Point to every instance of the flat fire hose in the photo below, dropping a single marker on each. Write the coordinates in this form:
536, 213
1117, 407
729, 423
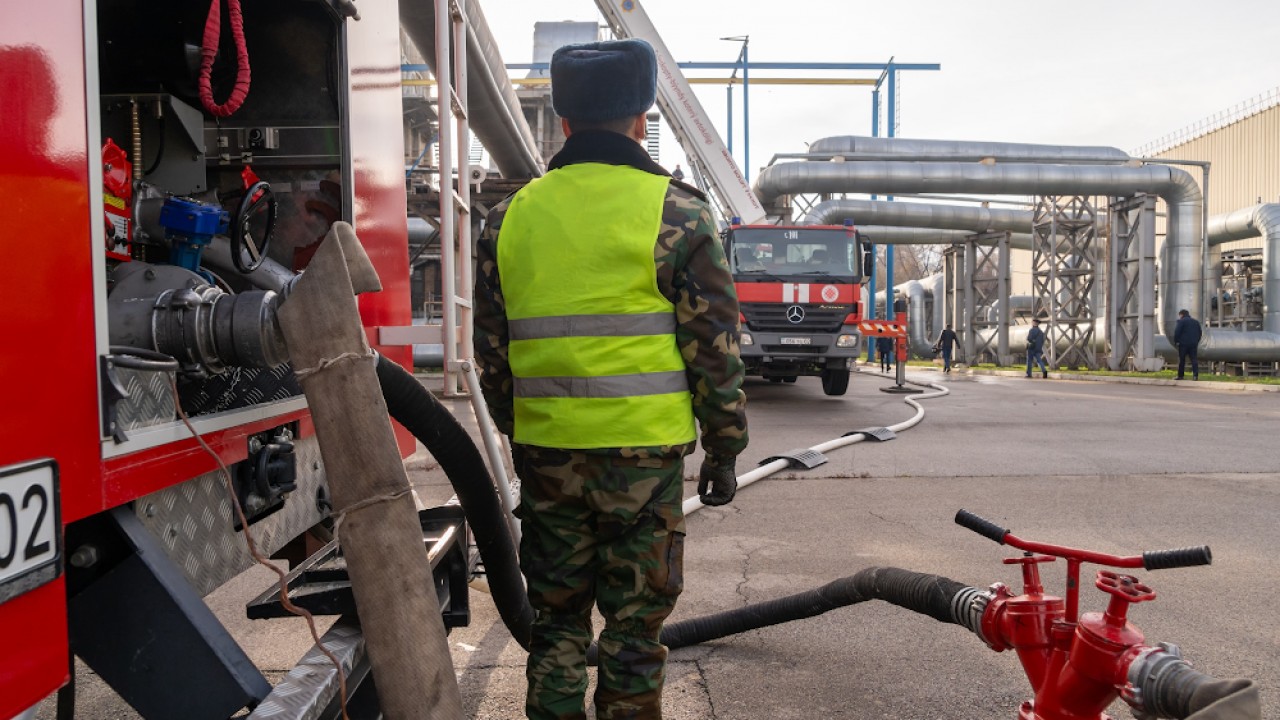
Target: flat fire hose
374, 514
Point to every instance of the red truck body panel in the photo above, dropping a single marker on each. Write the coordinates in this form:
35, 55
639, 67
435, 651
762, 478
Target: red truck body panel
53, 322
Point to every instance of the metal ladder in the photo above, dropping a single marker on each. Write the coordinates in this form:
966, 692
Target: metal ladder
455, 238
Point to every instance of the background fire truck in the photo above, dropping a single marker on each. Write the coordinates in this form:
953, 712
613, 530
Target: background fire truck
800, 288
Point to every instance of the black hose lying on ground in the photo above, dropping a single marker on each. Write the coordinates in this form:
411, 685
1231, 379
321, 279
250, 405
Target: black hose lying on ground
414, 407
931, 595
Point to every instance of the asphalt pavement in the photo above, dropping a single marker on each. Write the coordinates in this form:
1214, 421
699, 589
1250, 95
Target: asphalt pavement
1118, 468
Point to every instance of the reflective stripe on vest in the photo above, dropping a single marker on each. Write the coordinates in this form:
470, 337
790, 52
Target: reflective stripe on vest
592, 338
663, 323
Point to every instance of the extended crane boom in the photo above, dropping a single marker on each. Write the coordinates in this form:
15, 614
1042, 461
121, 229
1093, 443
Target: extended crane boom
692, 128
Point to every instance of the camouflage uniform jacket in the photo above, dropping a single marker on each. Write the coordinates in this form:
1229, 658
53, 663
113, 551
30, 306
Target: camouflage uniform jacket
691, 272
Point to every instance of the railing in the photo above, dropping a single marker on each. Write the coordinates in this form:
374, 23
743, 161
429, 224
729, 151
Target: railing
1218, 120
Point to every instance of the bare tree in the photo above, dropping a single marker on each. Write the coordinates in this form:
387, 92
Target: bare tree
911, 262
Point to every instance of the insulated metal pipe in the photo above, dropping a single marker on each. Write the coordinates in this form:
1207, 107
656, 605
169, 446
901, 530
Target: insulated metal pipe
494, 113
422, 232
1018, 339
1260, 220
1018, 305
922, 215
270, 275
935, 287
896, 235
501, 94
917, 328
1180, 282
1250, 222
1004, 151
917, 333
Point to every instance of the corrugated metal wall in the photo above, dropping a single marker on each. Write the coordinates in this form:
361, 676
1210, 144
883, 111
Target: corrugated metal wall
1245, 157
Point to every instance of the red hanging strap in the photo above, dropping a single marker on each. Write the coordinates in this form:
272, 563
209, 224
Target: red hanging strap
209, 50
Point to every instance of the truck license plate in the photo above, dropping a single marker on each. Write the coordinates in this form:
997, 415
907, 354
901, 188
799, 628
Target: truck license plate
795, 341
30, 536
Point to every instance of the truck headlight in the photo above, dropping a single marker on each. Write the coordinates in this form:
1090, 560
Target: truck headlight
747, 339
847, 341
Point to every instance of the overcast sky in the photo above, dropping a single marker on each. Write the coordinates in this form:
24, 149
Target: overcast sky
1118, 73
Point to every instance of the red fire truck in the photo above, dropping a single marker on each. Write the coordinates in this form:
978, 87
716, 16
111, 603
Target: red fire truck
144, 215
800, 288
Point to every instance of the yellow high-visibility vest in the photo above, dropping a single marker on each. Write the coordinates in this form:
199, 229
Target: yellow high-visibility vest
592, 339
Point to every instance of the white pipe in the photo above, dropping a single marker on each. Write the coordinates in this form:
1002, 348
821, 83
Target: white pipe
694, 504
496, 465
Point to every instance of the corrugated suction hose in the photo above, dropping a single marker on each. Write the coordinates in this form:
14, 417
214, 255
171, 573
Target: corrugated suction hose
414, 407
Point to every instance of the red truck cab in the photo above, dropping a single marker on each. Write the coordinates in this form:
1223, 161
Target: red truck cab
800, 288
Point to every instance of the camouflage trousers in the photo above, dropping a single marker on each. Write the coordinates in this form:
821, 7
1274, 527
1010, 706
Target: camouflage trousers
607, 531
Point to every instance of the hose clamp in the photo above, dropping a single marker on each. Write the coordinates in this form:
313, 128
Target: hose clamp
1145, 670
968, 608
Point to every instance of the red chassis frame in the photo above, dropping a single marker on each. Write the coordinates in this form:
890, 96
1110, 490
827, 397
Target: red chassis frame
51, 287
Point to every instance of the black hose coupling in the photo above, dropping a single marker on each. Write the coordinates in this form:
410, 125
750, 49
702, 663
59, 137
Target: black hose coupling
177, 312
208, 329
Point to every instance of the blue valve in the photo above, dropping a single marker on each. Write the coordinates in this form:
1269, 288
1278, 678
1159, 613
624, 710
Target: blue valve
189, 227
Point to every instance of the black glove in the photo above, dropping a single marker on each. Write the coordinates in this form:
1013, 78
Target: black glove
519, 458
717, 481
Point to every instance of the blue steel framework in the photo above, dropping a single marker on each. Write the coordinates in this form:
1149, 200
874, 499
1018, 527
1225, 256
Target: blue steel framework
746, 108
889, 72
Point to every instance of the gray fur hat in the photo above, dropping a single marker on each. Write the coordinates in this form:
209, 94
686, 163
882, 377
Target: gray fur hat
602, 81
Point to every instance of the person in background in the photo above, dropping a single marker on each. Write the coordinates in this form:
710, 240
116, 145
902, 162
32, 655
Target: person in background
1035, 348
946, 344
606, 326
884, 346
677, 173
1186, 337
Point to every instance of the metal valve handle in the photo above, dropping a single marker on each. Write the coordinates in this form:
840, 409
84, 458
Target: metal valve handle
1125, 587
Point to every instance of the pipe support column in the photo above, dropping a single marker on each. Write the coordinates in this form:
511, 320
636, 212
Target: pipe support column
970, 313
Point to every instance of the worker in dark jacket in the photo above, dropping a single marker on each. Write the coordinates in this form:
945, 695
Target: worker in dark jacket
884, 346
946, 345
1035, 348
606, 324
1186, 337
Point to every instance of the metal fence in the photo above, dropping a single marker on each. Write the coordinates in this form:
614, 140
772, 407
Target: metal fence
1204, 126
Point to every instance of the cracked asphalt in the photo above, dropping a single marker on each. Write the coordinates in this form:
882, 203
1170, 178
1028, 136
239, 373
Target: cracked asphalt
1115, 468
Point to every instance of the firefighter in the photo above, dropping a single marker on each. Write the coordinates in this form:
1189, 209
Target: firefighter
605, 324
